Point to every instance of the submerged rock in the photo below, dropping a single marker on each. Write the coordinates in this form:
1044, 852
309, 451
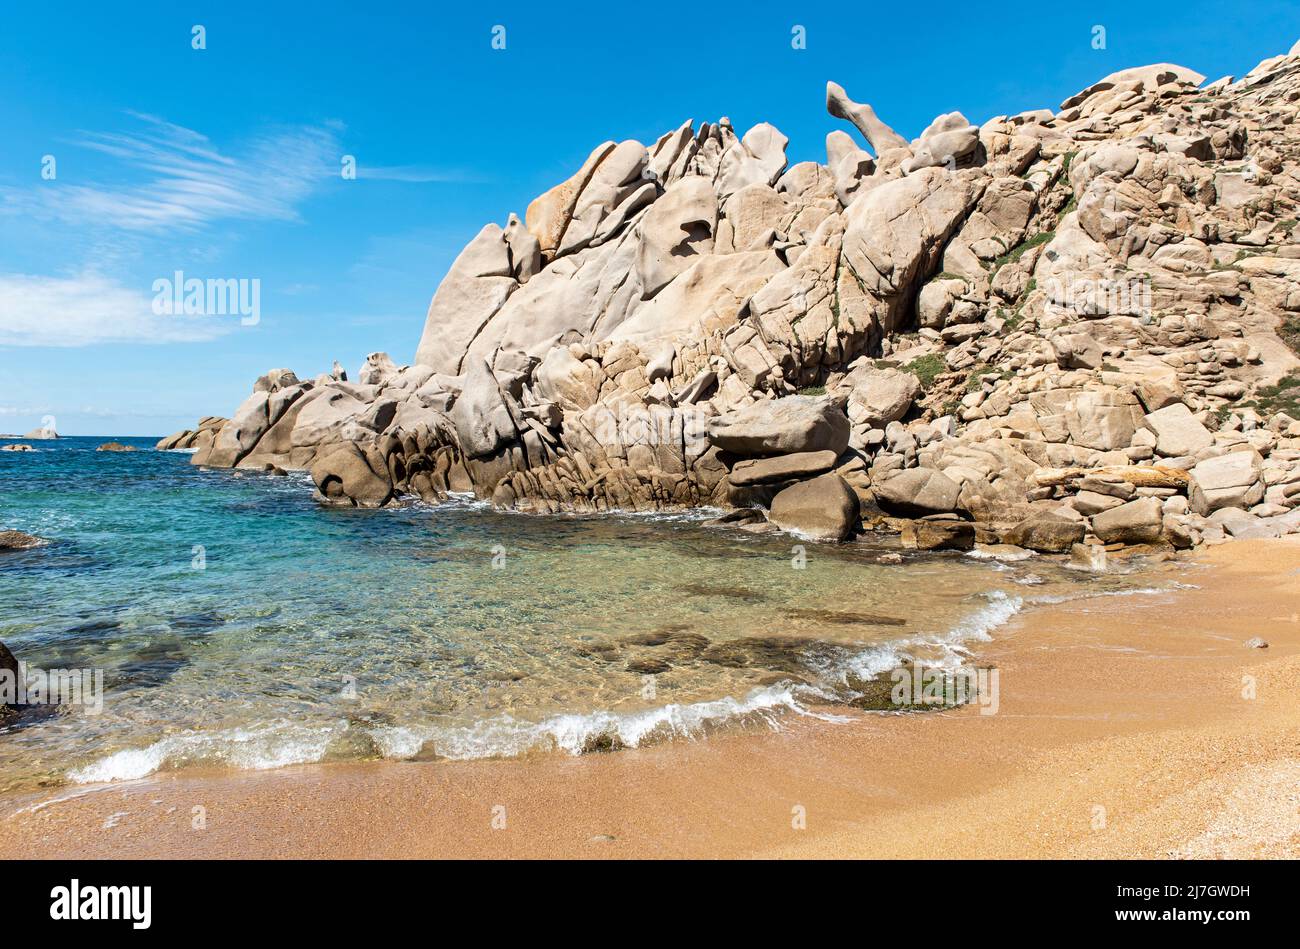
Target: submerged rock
17, 540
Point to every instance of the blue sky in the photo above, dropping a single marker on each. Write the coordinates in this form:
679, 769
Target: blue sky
225, 162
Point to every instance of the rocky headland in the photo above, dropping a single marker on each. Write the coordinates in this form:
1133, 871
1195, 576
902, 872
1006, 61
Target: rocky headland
1069, 330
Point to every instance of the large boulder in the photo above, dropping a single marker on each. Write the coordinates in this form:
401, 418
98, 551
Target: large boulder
485, 415
1137, 522
880, 396
804, 464
825, 508
567, 381
797, 423
275, 380
939, 534
1231, 480
378, 369
1077, 351
1046, 532
334, 415
916, 492
1178, 432
949, 139
1102, 419
350, 475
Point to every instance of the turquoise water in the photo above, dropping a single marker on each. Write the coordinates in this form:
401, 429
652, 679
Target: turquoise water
305, 633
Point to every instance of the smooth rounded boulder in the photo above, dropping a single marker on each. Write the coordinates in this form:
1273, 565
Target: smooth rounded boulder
804, 464
797, 423
1046, 532
347, 475
824, 508
1137, 522
917, 492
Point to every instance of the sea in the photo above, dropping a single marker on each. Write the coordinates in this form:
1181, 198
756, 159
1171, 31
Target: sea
235, 622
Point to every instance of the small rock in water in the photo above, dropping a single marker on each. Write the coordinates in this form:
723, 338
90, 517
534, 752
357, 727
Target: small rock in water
17, 540
1088, 557
16, 448
890, 558
115, 446
1256, 642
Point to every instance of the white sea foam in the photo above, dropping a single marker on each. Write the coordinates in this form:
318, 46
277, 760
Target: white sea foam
502, 737
574, 733
252, 749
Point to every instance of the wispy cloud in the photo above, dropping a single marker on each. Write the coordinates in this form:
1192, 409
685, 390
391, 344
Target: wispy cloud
416, 174
88, 309
193, 182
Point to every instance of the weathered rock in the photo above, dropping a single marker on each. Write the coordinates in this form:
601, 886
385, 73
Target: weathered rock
879, 135
42, 434
485, 415
1231, 480
115, 446
795, 467
917, 492
1177, 431
1137, 522
349, 475
377, 370
275, 380
17, 540
946, 534
1077, 351
825, 508
1046, 532
895, 234
879, 396
477, 286
797, 423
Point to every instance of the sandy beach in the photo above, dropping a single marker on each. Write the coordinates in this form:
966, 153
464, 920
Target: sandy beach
1127, 726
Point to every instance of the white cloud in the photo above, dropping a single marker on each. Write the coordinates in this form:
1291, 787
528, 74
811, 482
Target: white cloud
194, 182
415, 174
88, 309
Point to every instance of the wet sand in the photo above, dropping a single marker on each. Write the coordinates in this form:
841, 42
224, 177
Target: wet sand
1127, 726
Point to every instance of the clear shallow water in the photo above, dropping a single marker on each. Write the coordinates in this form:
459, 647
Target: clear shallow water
317, 634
